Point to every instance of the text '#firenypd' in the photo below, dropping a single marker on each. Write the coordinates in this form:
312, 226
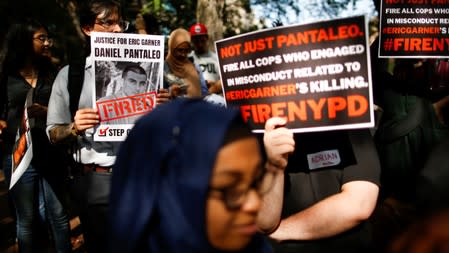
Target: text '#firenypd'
416, 44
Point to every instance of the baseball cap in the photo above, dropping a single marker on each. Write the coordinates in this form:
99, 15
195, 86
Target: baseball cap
198, 29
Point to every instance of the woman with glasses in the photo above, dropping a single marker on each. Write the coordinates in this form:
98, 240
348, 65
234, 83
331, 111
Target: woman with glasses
182, 76
27, 74
189, 178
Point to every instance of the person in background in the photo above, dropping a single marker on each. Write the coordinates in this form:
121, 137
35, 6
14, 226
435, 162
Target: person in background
189, 178
326, 189
26, 69
94, 160
410, 128
181, 75
205, 58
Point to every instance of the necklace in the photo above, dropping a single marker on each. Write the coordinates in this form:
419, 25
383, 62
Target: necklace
30, 77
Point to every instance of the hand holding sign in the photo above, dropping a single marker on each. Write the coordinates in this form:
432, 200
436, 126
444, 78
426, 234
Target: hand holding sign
85, 118
162, 96
278, 142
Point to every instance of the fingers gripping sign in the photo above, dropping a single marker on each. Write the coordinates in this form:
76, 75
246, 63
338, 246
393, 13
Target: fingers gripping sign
85, 118
279, 143
162, 96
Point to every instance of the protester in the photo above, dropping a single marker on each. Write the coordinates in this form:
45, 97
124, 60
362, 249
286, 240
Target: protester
95, 159
205, 58
407, 132
409, 129
181, 75
27, 73
189, 178
326, 189
409, 125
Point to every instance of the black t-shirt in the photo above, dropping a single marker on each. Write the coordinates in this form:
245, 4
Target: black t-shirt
321, 163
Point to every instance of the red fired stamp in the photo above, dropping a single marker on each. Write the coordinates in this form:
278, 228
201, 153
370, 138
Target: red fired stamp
126, 107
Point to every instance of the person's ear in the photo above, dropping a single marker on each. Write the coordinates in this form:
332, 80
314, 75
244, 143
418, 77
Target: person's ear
87, 30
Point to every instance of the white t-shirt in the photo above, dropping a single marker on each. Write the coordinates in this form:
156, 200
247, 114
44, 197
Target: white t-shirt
208, 63
100, 153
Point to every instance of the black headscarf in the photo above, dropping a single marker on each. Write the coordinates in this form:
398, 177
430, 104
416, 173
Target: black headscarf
161, 179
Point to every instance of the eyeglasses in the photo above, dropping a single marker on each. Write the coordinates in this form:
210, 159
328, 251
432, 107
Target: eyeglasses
183, 50
43, 38
124, 25
234, 198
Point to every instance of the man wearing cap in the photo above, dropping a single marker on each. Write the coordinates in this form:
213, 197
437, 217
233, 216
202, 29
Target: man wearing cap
205, 58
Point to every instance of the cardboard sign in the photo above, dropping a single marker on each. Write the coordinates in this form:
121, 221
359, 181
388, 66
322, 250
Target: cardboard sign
316, 75
22, 152
128, 72
414, 29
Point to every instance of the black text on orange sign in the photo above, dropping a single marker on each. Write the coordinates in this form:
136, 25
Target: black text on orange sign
306, 110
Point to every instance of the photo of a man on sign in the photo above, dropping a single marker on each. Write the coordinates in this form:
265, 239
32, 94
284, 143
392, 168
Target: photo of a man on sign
127, 104
128, 72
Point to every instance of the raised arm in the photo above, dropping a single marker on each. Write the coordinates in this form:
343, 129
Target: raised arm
278, 142
60, 125
84, 119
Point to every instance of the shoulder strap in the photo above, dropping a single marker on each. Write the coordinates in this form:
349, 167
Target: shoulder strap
75, 83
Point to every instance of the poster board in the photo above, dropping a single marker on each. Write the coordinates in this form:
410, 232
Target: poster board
414, 29
316, 75
22, 152
128, 73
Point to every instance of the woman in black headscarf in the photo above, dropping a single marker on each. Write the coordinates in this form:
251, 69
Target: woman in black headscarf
188, 179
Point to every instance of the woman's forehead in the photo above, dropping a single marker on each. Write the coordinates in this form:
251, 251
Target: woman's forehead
179, 36
184, 44
113, 14
40, 31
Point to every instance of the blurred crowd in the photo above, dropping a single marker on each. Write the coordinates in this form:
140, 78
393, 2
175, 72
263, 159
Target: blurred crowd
192, 177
